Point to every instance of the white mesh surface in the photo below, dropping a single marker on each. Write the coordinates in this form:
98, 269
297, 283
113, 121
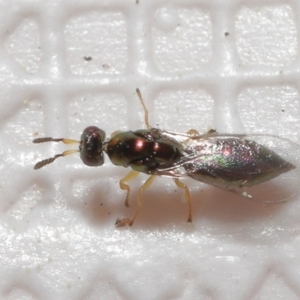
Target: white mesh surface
232, 65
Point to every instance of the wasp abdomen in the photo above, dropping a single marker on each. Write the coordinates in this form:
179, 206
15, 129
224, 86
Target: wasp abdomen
239, 162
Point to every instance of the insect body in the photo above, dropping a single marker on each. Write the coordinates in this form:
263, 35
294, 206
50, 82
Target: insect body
245, 164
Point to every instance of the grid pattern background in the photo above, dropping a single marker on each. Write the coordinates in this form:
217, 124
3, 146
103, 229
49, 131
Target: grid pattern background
232, 65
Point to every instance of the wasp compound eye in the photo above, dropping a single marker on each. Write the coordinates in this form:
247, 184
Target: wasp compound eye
90, 148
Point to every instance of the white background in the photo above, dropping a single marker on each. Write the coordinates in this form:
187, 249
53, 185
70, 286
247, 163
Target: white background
232, 65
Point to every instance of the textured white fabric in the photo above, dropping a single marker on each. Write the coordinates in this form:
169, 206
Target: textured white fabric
232, 65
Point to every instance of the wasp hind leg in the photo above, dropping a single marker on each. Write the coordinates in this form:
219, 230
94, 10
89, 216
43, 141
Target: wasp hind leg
187, 197
124, 186
193, 132
127, 221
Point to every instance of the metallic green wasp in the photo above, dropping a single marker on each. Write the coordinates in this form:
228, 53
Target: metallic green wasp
260, 167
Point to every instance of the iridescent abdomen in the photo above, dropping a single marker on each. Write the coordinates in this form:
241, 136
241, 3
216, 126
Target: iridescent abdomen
234, 161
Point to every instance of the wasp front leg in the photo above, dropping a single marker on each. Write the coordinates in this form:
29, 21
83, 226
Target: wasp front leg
124, 186
127, 221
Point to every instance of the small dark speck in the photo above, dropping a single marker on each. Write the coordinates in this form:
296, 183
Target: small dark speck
226, 33
87, 58
283, 110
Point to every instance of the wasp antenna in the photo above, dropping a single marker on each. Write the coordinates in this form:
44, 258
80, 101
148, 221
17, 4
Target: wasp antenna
46, 139
145, 108
50, 139
48, 161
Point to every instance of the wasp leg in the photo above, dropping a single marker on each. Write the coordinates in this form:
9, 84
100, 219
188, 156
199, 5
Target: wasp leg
193, 132
130, 176
187, 196
211, 131
126, 221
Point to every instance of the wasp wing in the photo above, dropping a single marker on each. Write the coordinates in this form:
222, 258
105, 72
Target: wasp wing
286, 185
261, 167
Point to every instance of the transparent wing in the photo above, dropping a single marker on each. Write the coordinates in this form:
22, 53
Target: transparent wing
282, 187
285, 186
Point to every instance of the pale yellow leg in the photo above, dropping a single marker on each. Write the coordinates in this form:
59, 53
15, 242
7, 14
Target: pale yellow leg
126, 221
193, 132
130, 176
187, 196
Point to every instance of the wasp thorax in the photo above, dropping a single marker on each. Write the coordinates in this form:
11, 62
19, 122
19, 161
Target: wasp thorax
90, 148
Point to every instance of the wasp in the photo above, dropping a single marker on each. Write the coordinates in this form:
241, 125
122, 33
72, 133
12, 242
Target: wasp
259, 167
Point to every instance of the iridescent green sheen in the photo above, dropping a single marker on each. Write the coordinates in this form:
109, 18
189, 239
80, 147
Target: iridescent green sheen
237, 161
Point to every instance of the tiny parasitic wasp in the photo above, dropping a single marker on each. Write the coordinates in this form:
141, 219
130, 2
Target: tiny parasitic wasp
260, 167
